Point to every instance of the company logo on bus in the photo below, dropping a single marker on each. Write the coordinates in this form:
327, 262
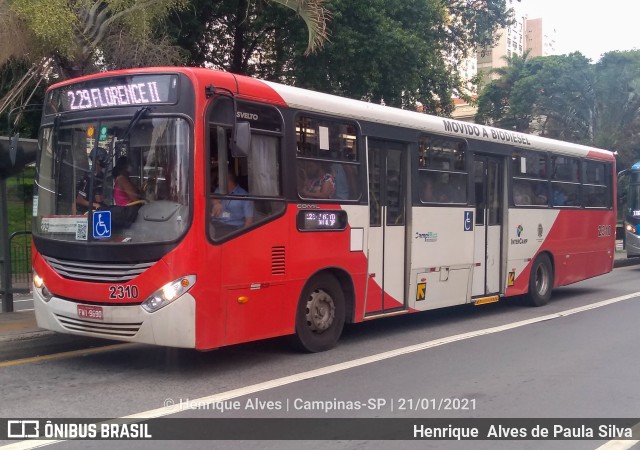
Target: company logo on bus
520, 240
429, 236
246, 115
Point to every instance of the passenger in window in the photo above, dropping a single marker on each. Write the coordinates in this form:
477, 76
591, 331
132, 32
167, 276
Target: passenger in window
345, 176
540, 194
558, 197
124, 191
319, 182
231, 213
82, 198
522, 194
342, 183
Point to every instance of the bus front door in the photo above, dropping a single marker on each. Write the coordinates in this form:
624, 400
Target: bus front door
489, 197
387, 230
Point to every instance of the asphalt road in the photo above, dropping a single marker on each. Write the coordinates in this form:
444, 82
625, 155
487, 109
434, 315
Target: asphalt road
504, 360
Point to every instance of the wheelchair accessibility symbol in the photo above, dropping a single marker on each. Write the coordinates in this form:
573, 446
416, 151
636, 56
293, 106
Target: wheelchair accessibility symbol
468, 221
101, 224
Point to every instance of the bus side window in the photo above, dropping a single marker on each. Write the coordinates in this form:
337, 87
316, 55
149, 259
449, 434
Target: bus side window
328, 162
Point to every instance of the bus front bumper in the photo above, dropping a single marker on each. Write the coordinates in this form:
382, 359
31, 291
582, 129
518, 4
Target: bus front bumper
172, 326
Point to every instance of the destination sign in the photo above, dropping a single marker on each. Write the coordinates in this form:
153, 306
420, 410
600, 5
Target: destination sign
321, 220
112, 92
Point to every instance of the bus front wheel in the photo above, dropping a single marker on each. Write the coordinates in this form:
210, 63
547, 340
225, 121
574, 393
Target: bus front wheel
320, 314
540, 281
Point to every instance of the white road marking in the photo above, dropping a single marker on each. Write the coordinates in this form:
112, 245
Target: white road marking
617, 445
278, 382
621, 444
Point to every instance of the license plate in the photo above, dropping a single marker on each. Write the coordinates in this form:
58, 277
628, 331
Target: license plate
90, 312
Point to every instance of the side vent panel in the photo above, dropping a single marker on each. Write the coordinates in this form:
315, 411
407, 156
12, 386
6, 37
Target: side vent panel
277, 261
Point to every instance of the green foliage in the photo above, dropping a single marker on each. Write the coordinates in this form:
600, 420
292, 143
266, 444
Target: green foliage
315, 16
379, 50
567, 97
21, 120
82, 36
20, 195
52, 22
394, 51
507, 101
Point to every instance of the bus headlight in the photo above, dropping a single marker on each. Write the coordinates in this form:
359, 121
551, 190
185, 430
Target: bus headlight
168, 293
38, 284
630, 227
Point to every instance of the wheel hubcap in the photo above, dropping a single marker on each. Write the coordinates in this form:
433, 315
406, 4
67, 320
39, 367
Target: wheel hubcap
320, 311
542, 280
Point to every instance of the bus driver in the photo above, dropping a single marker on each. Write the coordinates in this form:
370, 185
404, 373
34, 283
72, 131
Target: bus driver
232, 214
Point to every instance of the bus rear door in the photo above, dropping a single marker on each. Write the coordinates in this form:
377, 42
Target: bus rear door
489, 193
387, 231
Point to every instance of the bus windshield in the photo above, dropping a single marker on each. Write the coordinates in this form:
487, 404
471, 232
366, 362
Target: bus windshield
633, 200
136, 168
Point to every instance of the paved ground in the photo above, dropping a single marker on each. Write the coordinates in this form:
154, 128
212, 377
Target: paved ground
21, 325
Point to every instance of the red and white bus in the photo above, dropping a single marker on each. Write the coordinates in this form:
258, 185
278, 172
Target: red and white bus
349, 211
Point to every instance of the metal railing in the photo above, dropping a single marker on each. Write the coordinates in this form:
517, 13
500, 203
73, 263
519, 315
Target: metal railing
16, 269
21, 272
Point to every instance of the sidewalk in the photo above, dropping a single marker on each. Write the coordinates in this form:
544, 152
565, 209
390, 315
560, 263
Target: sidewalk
22, 325
15, 326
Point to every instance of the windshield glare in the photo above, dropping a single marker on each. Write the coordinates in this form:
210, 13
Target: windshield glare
633, 200
109, 181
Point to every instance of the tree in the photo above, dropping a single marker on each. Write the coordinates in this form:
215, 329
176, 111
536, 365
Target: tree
616, 125
82, 36
66, 38
402, 52
506, 102
567, 97
23, 119
315, 16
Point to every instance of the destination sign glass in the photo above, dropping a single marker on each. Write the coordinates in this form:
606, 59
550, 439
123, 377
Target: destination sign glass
320, 220
130, 90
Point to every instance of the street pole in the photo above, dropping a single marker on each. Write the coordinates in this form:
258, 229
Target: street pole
5, 250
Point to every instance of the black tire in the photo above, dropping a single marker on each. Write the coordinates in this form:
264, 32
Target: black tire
320, 314
540, 281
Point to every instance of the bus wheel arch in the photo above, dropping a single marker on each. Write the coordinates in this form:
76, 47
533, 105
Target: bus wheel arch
322, 311
541, 280
348, 290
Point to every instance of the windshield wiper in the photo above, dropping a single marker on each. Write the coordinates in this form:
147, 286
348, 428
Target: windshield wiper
134, 121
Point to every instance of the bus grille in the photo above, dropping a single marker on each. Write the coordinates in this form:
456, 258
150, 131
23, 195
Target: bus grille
277, 261
97, 272
106, 329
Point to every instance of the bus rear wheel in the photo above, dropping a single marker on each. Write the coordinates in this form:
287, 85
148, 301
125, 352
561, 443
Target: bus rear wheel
540, 281
320, 314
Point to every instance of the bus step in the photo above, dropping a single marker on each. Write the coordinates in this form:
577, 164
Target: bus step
485, 300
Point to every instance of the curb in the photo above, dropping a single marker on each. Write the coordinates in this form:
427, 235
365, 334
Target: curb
27, 335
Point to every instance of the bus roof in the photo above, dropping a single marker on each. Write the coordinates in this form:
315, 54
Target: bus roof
321, 103
359, 110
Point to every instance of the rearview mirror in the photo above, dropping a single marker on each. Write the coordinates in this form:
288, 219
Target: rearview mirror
242, 140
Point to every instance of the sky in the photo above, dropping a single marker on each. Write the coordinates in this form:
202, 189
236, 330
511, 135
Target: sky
591, 27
